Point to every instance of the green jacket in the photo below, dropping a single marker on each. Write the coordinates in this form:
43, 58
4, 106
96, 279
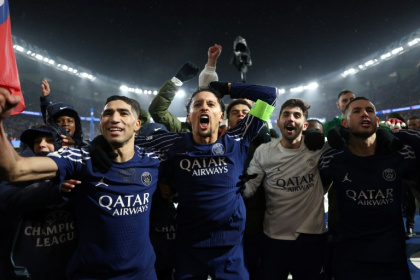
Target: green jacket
158, 109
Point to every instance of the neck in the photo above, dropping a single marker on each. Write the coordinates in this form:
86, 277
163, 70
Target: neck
125, 152
204, 140
291, 144
362, 147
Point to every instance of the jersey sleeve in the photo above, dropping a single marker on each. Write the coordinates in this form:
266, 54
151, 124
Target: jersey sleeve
254, 168
159, 108
254, 92
69, 161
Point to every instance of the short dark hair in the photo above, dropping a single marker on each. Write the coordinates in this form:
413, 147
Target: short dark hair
318, 121
296, 102
234, 103
357, 98
215, 92
413, 118
135, 106
343, 92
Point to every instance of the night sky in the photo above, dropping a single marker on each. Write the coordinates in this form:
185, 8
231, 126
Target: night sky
145, 42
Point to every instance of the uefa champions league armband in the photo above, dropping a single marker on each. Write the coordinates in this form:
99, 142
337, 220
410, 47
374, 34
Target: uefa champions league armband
262, 110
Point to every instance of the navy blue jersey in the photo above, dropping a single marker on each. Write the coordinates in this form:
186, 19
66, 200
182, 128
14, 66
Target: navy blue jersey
112, 215
369, 194
211, 211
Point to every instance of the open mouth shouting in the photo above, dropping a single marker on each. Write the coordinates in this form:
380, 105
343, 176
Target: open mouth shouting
289, 128
204, 121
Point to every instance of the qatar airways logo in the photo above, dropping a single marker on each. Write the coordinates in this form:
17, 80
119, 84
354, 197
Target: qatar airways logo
296, 183
123, 205
375, 197
204, 166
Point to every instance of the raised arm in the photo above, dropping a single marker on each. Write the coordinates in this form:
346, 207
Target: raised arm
158, 109
13, 167
209, 72
45, 99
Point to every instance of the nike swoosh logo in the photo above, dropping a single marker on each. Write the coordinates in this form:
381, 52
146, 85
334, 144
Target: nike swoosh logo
61, 108
156, 129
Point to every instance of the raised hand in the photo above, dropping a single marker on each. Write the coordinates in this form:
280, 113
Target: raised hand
214, 53
8, 103
45, 88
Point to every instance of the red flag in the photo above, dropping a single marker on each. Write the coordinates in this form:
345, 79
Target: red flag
9, 76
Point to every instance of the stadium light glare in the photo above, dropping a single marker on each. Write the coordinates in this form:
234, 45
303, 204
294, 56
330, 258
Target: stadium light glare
180, 93
18, 48
39, 57
385, 56
282, 91
413, 42
155, 92
397, 50
296, 89
123, 88
313, 85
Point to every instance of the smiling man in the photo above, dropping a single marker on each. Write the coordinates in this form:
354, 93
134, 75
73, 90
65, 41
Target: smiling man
294, 230
367, 174
112, 209
205, 169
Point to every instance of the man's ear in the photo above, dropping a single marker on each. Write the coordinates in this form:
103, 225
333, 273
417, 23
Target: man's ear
222, 118
344, 123
305, 126
137, 125
188, 118
278, 123
338, 105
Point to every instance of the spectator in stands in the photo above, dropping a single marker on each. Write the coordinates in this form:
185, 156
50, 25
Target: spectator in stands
62, 114
413, 122
316, 124
38, 234
344, 97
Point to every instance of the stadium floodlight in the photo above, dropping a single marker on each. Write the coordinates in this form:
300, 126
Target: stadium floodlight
282, 91
180, 93
361, 66
397, 50
138, 91
18, 48
313, 85
52, 62
123, 88
39, 57
413, 42
385, 56
369, 63
297, 89
155, 92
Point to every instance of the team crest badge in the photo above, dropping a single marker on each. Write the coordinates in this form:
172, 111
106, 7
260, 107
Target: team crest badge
146, 178
389, 174
218, 149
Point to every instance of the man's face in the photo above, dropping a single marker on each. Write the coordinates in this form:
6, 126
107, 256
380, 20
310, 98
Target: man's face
68, 123
291, 123
361, 119
237, 113
205, 114
413, 124
44, 143
344, 100
315, 125
118, 123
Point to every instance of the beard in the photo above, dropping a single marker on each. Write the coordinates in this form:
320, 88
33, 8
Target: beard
365, 134
205, 135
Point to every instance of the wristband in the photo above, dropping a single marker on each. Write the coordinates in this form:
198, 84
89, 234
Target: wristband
262, 110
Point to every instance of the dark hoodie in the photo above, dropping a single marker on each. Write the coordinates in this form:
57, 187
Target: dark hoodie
64, 109
36, 205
